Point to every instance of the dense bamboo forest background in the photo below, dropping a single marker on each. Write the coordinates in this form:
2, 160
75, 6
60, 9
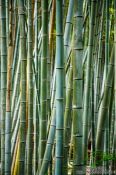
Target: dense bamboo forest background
57, 87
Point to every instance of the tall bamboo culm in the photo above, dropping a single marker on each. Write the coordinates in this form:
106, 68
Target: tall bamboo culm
115, 77
43, 92
86, 104
3, 38
8, 157
114, 150
23, 56
77, 86
30, 90
59, 88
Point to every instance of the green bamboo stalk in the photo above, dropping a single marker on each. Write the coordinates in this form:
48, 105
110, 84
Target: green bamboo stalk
14, 117
103, 108
59, 88
7, 20
48, 85
35, 103
35, 123
92, 123
106, 129
43, 105
108, 117
112, 121
86, 22
100, 58
15, 64
49, 145
68, 27
86, 105
30, 91
15, 56
48, 88
65, 9
35, 81
106, 43
48, 81
36, 41
107, 38
51, 135
77, 86
0, 91
67, 120
36, 114
3, 80
113, 165
15, 136
115, 52
114, 142
94, 91
22, 129
15, 85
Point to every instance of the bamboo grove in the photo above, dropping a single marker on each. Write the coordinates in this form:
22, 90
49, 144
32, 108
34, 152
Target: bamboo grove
57, 87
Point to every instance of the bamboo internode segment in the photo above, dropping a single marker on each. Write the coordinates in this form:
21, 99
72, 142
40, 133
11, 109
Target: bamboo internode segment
57, 87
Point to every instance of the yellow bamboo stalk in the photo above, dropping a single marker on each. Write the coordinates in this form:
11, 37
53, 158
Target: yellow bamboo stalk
17, 163
51, 34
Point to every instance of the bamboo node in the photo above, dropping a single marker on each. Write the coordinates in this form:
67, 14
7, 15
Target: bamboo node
76, 107
59, 34
59, 157
69, 22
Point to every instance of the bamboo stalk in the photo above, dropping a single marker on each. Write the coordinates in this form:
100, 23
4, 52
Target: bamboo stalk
59, 88
115, 54
3, 80
16, 166
114, 137
22, 129
43, 105
30, 90
14, 157
68, 27
49, 145
35, 103
68, 120
104, 106
77, 86
86, 105
8, 102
